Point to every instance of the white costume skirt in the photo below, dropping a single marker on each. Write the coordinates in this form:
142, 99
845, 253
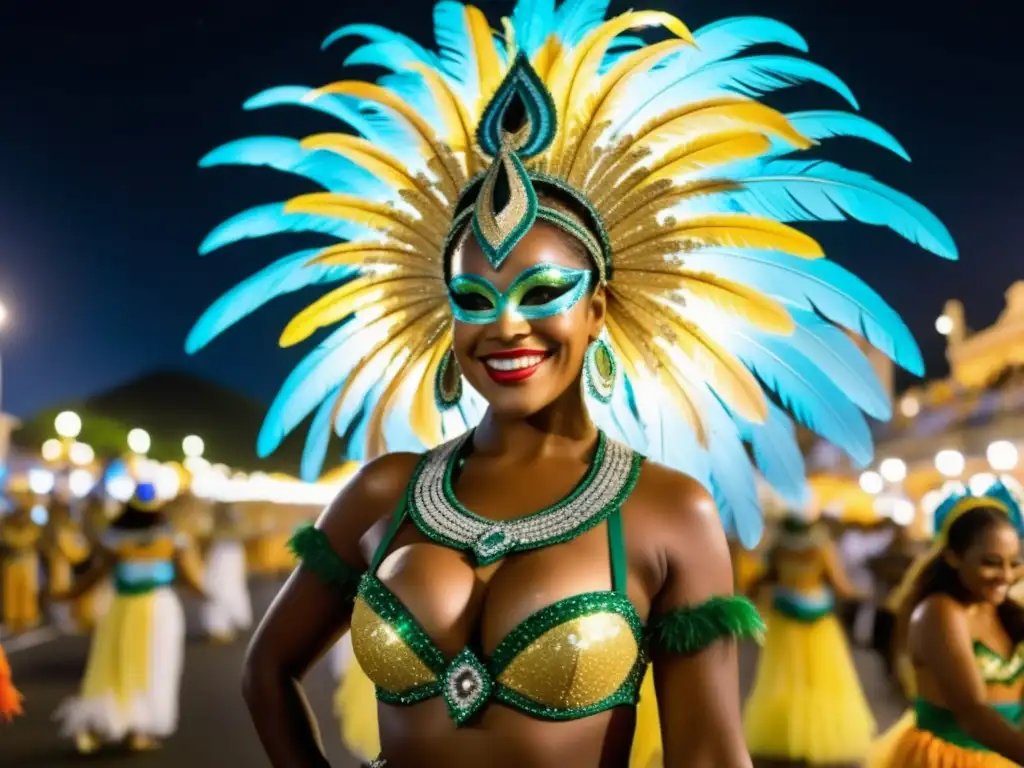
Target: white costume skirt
133, 676
229, 608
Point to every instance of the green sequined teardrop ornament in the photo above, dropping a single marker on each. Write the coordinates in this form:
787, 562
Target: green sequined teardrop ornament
599, 371
448, 382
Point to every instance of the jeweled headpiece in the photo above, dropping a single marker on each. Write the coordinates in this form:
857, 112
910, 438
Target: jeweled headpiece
725, 323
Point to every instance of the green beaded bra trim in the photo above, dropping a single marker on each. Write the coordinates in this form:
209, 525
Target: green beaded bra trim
997, 669
439, 516
468, 682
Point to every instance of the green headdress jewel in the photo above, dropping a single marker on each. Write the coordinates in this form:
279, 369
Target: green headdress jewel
518, 124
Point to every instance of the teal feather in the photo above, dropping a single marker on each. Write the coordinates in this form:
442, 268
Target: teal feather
578, 17
331, 171
533, 21
816, 190
318, 439
287, 275
388, 39
820, 285
271, 219
457, 52
777, 454
825, 124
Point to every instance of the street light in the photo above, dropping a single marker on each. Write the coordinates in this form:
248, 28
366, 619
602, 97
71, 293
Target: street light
68, 424
950, 463
4, 315
944, 325
139, 441
53, 449
893, 470
193, 446
1002, 455
81, 454
871, 482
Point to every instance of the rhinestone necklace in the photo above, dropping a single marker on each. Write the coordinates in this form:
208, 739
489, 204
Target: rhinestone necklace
440, 517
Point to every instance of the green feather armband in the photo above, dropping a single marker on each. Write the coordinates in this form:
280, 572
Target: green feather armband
691, 630
312, 548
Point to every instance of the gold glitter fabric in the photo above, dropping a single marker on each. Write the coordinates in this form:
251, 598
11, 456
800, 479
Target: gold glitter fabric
576, 664
692, 189
384, 655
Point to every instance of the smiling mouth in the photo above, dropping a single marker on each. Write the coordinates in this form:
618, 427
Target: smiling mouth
515, 365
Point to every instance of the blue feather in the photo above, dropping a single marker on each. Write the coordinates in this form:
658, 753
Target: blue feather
821, 285
831, 350
394, 56
623, 45
533, 21
725, 38
618, 418
413, 89
285, 275
271, 219
732, 477
298, 96
323, 369
802, 389
578, 17
331, 171
378, 35
824, 124
778, 455
751, 76
816, 190
318, 439
458, 54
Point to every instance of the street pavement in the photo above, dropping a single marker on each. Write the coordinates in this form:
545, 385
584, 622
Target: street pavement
215, 730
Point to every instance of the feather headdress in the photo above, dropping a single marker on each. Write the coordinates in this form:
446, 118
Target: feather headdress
726, 319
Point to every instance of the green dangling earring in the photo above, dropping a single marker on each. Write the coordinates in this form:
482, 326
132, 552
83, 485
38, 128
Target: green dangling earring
599, 371
448, 382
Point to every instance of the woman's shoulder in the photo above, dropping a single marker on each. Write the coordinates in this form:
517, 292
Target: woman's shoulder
676, 508
936, 614
371, 495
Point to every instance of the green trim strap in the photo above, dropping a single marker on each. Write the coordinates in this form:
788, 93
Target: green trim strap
312, 548
691, 629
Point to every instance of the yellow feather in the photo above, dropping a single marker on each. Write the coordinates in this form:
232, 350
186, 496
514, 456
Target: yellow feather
637, 345
377, 216
577, 70
381, 255
384, 294
547, 55
365, 155
708, 289
431, 148
421, 340
685, 161
394, 347
729, 378
489, 65
588, 117
457, 120
730, 230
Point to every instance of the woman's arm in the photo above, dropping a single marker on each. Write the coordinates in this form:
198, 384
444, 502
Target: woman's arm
312, 609
102, 566
836, 575
696, 620
940, 638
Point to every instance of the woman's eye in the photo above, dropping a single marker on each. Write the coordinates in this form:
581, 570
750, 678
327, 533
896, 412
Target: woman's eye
544, 294
472, 302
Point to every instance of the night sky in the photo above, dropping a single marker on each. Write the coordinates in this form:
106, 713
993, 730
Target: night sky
107, 109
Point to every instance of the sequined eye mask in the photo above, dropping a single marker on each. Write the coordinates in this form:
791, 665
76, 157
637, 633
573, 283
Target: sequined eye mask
542, 291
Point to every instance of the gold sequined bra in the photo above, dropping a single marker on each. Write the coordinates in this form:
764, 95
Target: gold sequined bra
572, 659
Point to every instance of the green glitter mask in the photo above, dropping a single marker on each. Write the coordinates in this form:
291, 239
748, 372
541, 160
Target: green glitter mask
539, 292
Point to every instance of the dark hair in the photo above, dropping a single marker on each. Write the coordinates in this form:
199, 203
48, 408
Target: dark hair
934, 575
134, 519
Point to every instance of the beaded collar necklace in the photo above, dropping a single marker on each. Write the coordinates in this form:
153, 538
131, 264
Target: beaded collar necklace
436, 512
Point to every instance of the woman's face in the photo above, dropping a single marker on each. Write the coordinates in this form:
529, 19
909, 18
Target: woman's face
521, 332
991, 565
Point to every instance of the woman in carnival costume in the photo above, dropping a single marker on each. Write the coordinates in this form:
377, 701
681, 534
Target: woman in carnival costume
10, 698
964, 640
807, 706
566, 247
20, 540
229, 609
133, 674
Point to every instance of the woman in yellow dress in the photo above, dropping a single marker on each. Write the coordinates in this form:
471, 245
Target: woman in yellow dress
807, 706
964, 642
133, 674
19, 572
65, 547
